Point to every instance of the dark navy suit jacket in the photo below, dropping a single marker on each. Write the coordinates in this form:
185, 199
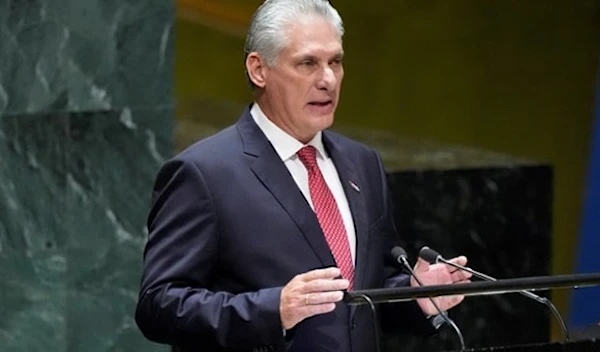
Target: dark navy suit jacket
228, 228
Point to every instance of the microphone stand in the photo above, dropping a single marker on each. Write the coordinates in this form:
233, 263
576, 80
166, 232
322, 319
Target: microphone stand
528, 294
369, 301
444, 315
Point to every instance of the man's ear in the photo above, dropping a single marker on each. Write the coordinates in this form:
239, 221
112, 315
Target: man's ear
256, 68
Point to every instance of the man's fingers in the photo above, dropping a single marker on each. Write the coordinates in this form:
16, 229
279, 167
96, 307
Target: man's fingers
317, 309
455, 300
322, 285
327, 273
460, 275
311, 293
457, 274
461, 260
323, 297
421, 265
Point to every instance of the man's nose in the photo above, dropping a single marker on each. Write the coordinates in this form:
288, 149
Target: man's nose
327, 79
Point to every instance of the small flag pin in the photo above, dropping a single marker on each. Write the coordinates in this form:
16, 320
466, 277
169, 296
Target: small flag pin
354, 186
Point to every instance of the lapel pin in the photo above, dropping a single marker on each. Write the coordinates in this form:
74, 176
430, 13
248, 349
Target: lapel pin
354, 186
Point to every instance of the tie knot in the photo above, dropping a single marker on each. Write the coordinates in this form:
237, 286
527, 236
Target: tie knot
308, 156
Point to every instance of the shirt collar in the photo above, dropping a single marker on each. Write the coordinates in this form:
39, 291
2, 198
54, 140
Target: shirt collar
285, 145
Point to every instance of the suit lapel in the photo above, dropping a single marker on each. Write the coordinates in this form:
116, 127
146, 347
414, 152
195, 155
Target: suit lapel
268, 167
272, 172
351, 184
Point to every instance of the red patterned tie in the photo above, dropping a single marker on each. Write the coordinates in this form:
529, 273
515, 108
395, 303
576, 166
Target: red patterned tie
328, 214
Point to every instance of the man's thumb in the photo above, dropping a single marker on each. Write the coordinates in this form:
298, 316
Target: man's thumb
421, 266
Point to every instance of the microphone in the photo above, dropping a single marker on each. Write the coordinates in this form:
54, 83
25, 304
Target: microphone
434, 257
399, 255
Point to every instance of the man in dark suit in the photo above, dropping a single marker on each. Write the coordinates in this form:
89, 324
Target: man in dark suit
255, 232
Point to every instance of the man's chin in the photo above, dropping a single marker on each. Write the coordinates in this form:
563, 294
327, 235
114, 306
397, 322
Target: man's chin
322, 122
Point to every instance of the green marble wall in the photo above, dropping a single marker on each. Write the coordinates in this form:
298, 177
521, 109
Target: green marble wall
86, 115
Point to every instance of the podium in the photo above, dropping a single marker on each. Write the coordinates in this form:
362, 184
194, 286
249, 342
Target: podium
373, 297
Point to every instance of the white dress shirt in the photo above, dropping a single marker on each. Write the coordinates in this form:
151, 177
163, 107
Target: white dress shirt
286, 147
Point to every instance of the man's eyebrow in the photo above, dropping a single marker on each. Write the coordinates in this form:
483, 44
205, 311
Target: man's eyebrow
315, 57
307, 57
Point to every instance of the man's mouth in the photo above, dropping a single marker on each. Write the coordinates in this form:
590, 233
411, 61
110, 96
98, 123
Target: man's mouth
321, 103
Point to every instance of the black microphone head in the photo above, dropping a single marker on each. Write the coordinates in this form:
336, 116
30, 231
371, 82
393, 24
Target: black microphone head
429, 255
398, 252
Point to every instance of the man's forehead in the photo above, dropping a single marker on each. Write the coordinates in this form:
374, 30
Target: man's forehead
318, 50
315, 46
312, 36
311, 27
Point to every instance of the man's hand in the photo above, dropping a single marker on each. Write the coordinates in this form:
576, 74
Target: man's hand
440, 274
309, 294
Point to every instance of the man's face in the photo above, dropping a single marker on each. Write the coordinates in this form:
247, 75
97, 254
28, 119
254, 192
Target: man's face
301, 91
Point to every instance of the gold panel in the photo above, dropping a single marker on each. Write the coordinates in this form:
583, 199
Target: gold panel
231, 16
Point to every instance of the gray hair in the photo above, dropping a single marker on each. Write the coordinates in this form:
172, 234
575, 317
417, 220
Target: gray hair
267, 34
